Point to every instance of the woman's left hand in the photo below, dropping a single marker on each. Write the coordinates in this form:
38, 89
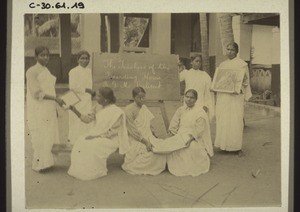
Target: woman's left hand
149, 146
86, 118
90, 137
60, 102
188, 143
154, 134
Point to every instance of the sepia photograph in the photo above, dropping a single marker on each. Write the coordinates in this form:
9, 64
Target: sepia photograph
151, 110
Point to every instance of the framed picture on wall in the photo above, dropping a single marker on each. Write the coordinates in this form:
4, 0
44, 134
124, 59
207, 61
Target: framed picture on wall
228, 80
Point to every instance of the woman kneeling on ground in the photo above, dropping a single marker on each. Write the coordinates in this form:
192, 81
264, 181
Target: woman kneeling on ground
90, 151
140, 159
192, 120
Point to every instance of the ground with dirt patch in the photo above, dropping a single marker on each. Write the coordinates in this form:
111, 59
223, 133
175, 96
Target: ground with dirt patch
249, 181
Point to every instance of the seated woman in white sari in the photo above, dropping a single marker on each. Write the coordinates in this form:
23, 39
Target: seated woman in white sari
140, 159
192, 120
90, 151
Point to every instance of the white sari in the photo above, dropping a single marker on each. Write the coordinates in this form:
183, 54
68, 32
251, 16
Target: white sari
79, 79
193, 160
88, 157
41, 115
138, 160
230, 111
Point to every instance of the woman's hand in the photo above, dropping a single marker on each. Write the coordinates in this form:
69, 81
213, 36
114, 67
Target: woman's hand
170, 134
205, 109
153, 132
60, 101
92, 116
87, 118
147, 144
188, 143
90, 137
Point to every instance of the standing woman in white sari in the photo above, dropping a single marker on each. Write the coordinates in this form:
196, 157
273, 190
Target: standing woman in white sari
201, 82
230, 107
91, 150
140, 159
191, 119
81, 82
41, 110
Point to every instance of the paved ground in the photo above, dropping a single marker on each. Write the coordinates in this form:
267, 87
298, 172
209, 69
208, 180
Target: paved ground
229, 183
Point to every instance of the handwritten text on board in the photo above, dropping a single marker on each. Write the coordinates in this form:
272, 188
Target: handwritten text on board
156, 73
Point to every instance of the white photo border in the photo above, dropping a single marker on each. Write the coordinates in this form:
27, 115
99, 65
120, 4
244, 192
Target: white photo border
19, 8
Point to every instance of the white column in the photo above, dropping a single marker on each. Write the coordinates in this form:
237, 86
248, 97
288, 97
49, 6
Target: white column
212, 25
275, 45
242, 36
160, 35
90, 33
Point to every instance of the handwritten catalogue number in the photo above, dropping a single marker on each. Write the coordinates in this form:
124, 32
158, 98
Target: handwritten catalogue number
57, 5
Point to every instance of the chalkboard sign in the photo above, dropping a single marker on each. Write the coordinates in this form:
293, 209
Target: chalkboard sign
157, 74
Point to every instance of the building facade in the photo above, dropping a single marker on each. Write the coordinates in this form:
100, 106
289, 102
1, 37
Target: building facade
183, 34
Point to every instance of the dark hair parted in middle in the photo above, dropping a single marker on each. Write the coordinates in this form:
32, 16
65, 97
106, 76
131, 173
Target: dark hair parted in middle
108, 94
193, 92
40, 49
80, 53
235, 46
137, 90
194, 56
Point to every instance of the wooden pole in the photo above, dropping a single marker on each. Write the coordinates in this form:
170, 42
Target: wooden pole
204, 42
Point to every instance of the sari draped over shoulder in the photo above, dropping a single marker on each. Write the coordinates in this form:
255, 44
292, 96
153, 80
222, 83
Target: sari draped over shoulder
230, 111
41, 115
138, 160
193, 160
89, 156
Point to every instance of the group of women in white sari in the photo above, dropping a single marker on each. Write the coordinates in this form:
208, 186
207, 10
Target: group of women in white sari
227, 108
96, 132
130, 131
